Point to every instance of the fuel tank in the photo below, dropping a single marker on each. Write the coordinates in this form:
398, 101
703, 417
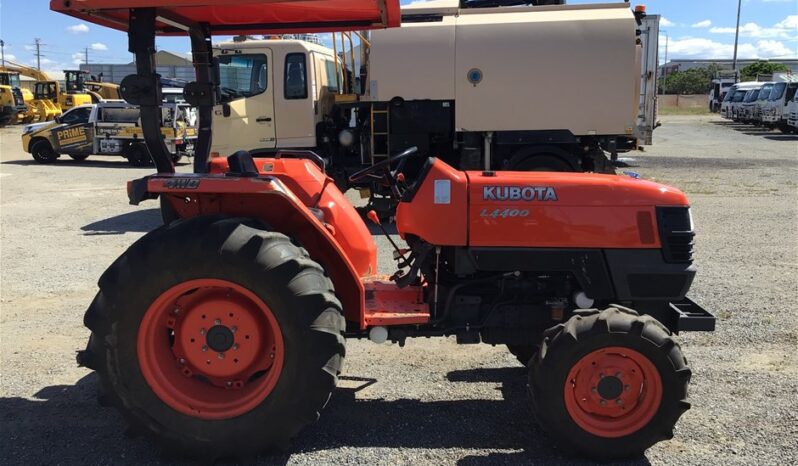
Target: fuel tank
533, 209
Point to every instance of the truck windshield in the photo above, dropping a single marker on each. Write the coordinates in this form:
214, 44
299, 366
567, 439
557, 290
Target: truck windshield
751, 96
778, 91
242, 75
729, 95
764, 93
739, 96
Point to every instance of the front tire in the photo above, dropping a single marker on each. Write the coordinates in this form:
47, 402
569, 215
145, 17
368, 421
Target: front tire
609, 384
43, 152
79, 157
216, 338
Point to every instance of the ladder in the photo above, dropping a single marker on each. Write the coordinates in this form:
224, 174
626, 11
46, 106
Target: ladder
380, 132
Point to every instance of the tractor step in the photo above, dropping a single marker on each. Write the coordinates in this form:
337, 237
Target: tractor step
387, 304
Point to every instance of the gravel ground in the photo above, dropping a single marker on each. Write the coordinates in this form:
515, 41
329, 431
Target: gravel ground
432, 402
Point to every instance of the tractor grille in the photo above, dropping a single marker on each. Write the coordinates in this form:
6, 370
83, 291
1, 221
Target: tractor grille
676, 234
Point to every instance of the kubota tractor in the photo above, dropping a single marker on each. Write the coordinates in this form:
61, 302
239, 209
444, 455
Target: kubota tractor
224, 332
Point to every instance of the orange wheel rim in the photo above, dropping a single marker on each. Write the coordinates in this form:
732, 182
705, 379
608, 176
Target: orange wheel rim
210, 349
613, 392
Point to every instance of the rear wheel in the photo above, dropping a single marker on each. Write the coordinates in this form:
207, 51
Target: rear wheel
138, 155
229, 353
609, 384
43, 152
79, 157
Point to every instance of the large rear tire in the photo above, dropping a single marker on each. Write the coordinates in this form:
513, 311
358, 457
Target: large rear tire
609, 384
138, 155
216, 338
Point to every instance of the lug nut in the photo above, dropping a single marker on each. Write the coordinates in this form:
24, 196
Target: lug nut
619, 402
229, 384
202, 331
182, 361
626, 388
594, 389
176, 311
217, 322
235, 346
221, 355
602, 402
234, 329
204, 347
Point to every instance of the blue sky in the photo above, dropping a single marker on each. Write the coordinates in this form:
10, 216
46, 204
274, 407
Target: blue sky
695, 29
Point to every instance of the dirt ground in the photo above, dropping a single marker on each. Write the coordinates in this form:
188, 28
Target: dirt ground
432, 402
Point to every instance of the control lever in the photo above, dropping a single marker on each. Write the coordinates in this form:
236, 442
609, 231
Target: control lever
372, 215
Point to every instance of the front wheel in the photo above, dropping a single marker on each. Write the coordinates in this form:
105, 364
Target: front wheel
79, 157
230, 353
43, 152
138, 155
609, 384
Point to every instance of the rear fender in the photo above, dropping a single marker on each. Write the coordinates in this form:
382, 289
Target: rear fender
268, 199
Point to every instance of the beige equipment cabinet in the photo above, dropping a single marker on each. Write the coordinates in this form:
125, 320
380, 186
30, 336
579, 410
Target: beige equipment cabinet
553, 88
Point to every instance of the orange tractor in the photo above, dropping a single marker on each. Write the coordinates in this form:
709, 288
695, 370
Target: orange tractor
223, 333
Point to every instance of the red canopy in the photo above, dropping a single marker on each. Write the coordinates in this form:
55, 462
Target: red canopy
228, 17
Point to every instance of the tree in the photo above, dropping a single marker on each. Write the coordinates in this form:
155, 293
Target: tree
750, 72
692, 81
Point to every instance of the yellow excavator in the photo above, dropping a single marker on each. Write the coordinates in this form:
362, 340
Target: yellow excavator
10, 79
81, 81
50, 98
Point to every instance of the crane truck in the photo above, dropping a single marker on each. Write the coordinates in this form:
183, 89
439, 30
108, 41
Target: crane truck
469, 82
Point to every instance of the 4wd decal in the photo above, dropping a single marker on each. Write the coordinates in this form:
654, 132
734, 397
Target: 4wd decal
519, 193
181, 183
71, 136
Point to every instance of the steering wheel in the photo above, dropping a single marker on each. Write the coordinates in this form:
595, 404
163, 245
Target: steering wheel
381, 169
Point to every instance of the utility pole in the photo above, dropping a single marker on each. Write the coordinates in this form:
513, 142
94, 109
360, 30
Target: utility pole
38, 53
86, 53
737, 34
2, 52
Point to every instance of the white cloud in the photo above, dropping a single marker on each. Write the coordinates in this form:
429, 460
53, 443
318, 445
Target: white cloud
78, 58
702, 24
78, 29
785, 29
10, 57
666, 22
99, 46
695, 47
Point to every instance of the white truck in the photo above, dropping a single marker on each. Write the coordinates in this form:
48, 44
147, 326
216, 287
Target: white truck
792, 113
488, 88
774, 110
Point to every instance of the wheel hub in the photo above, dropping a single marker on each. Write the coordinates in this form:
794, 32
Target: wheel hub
220, 338
610, 388
210, 348
613, 391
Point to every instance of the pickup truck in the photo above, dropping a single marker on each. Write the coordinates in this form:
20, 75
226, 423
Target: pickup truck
108, 128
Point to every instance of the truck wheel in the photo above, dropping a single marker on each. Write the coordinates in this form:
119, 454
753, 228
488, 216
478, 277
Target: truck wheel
609, 384
541, 163
138, 155
176, 158
79, 157
43, 152
523, 353
227, 342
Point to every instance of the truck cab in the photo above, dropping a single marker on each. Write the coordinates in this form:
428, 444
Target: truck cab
755, 113
792, 113
774, 111
263, 79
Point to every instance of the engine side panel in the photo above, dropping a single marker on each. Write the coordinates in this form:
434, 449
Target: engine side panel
565, 210
437, 211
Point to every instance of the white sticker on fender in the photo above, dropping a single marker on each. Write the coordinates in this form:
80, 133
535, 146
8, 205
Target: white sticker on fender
443, 192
